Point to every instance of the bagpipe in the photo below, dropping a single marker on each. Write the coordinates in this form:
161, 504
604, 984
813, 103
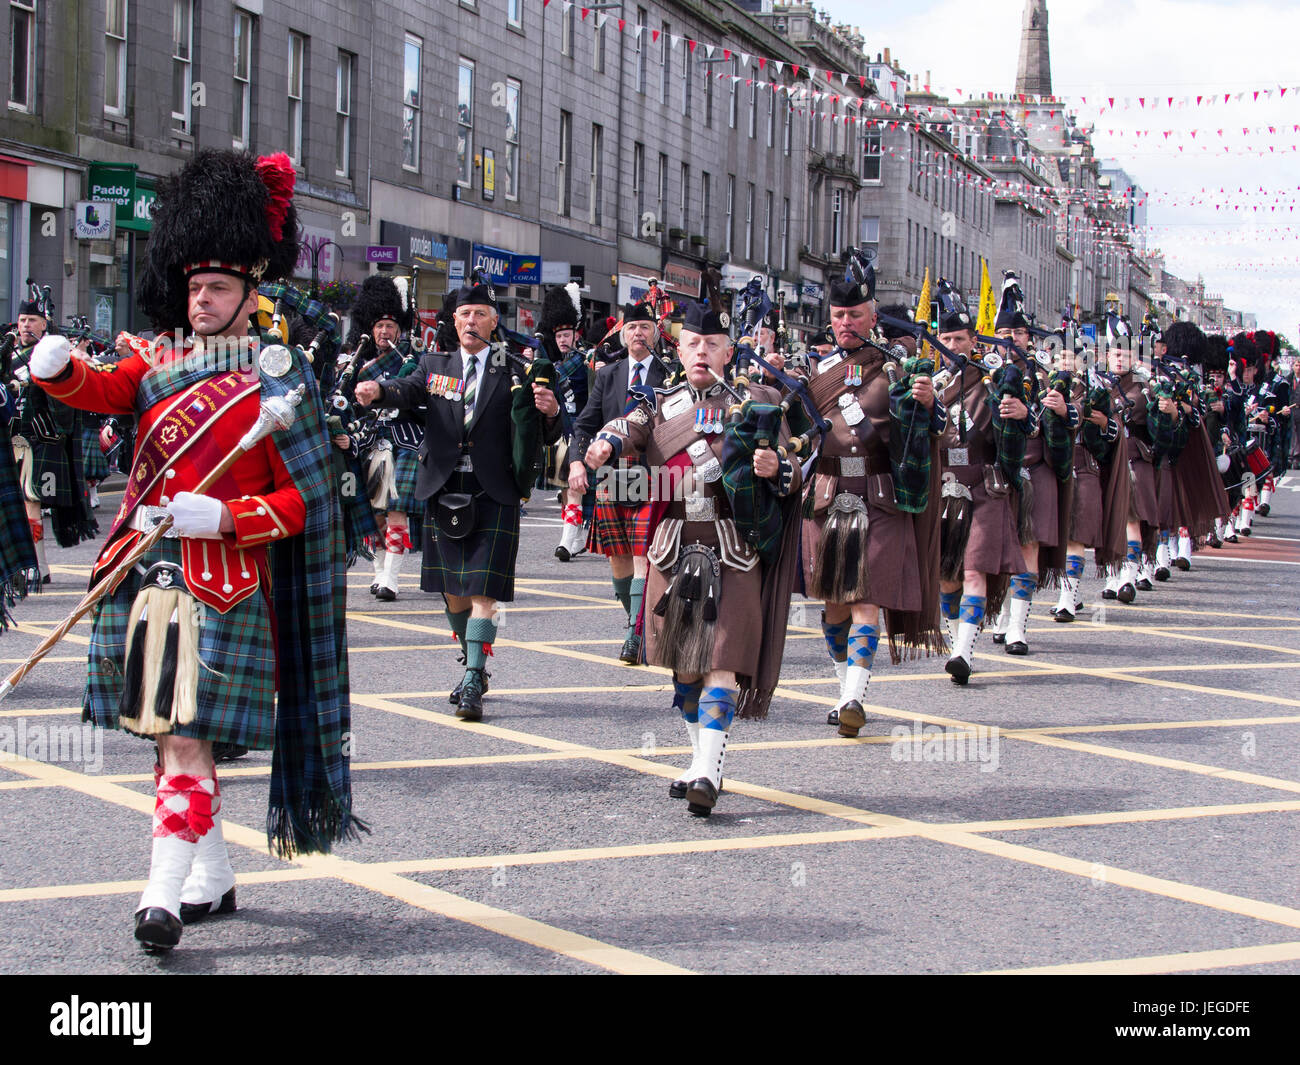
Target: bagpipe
360, 423
1099, 388
79, 330
7, 344
753, 425
909, 446
1168, 431
955, 515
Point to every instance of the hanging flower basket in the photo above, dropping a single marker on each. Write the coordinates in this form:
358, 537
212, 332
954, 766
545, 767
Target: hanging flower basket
338, 296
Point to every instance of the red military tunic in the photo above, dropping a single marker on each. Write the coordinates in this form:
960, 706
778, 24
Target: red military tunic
258, 490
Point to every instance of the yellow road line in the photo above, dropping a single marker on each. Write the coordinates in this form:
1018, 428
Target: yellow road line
958, 837
670, 847
48, 711
547, 937
1047, 740
1126, 817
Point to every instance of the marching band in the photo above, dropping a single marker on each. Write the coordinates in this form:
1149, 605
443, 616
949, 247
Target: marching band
921, 480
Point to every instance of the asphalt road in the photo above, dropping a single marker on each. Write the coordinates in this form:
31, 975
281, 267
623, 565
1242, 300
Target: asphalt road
1130, 803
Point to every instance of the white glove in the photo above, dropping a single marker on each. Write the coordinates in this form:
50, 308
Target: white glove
50, 357
196, 515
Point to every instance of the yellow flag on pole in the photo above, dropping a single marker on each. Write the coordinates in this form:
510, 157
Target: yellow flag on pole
924, 308
988, 314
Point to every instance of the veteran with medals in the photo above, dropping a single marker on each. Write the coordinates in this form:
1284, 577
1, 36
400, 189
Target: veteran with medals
485, 428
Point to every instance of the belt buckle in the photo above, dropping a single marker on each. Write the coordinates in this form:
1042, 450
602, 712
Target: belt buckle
700, 508
853, 466
958, 456
465, 465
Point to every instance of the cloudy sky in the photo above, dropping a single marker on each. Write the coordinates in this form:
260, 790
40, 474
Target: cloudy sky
1152, 49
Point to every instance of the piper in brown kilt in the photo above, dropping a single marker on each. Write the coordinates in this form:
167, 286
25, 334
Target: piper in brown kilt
866, 547
621, 518
1199, 492
979, 525
1045, 481
1144, 511
482, 443
1100, 500
723, 545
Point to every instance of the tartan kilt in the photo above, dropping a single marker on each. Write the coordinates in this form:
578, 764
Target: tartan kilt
619, 529
406, 470
236, 686
481, 564
94, 463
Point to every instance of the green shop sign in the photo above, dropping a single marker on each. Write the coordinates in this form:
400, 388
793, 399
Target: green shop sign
118, 183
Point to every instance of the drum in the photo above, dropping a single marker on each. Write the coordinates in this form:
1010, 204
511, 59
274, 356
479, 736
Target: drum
1256, 460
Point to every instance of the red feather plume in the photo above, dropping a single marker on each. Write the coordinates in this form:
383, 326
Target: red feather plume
277, 174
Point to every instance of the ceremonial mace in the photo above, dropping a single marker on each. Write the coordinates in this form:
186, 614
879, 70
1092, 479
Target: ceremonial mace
275, 414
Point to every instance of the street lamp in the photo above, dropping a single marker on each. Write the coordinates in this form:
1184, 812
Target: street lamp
315, 263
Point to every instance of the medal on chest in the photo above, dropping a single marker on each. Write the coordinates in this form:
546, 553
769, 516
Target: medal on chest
448, 387
850, 409
853, 376
708, 420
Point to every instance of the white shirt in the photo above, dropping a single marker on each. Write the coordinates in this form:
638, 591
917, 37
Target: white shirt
645, 370
478, 359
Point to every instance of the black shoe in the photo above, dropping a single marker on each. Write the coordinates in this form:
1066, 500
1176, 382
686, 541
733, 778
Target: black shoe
1262, 510
1144, 585
1162, 574
1244, 532
157, 930
472, 689
1063, 615
631, 653
852, 718
1127, 593
999, 637
196, 911
833, 718
1214, 541
701, 797
385, 595
677, 789
958, 669
454, 697
374, 588
1107, 593
1018, 647
1183, 563
562, 553
227, 752
46, 578
1231, 539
